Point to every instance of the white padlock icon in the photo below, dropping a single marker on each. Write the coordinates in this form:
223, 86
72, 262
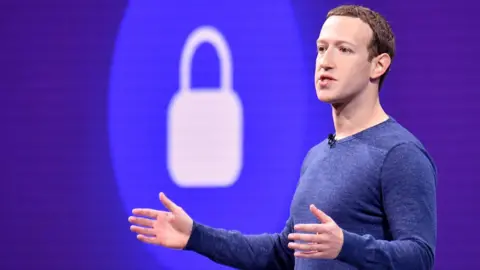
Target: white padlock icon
205, 126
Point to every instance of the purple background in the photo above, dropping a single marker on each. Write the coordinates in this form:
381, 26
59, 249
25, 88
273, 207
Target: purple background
60, 203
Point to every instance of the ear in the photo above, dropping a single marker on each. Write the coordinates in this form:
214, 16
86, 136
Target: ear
381, 63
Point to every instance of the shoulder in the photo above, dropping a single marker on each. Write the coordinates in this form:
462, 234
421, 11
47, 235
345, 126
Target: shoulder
392, 138
396, 149
408, 154
404, 156
389, 135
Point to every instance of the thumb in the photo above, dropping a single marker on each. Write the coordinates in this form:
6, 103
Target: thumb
324, 218
168, 203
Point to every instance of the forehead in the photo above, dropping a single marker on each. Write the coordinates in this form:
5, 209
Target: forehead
348, 29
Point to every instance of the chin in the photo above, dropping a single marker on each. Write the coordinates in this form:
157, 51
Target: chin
327, 96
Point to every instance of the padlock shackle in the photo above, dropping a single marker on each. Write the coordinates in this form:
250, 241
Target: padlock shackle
206, 34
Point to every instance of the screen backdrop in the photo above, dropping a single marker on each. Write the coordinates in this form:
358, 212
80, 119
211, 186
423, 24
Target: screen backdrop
99, 107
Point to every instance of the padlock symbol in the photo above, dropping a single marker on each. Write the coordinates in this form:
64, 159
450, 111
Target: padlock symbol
205, 126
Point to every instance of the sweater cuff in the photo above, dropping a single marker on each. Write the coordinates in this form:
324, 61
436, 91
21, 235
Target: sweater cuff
352, 249
201, 235
195, 239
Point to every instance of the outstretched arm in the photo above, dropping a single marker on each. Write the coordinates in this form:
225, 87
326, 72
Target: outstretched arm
265, 251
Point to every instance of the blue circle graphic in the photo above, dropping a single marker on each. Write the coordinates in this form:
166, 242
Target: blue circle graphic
269, 79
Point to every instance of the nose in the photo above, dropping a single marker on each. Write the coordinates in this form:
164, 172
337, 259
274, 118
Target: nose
326, 61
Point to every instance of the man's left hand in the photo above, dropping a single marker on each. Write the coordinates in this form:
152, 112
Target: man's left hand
322, 241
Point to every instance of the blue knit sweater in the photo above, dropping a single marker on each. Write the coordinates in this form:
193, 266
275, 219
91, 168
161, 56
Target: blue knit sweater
378, 185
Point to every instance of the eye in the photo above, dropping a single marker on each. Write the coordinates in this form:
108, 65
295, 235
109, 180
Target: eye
321, 49
345, 50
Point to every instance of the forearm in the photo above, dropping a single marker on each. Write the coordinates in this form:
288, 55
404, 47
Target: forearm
365, 252
266, 251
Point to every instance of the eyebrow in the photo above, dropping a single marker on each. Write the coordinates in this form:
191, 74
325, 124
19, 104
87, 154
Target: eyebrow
336, 42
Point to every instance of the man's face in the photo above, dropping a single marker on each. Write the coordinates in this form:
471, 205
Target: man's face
342, 67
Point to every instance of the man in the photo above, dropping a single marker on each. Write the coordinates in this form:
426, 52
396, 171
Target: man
366, 198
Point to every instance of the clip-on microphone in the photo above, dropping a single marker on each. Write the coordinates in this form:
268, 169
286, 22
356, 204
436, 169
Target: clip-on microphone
331, 140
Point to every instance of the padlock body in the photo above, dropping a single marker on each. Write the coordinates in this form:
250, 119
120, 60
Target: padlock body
205, 138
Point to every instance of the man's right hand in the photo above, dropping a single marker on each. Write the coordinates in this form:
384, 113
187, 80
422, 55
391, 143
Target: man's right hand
169, 229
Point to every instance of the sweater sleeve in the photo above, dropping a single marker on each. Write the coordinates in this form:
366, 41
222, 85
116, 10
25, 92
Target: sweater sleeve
408, 186
231, 248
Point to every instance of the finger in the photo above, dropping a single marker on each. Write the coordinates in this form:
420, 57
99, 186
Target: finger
306, 247
146, 239
142, 230
311, 255
324, 218
151, 213
312, 228
302, 247
170, 205
307, 237
141, 221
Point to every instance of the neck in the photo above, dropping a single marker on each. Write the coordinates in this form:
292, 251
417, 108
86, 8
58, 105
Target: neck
360, 113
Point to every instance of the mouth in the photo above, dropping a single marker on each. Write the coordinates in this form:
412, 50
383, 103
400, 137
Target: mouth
326, 77
325, 80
